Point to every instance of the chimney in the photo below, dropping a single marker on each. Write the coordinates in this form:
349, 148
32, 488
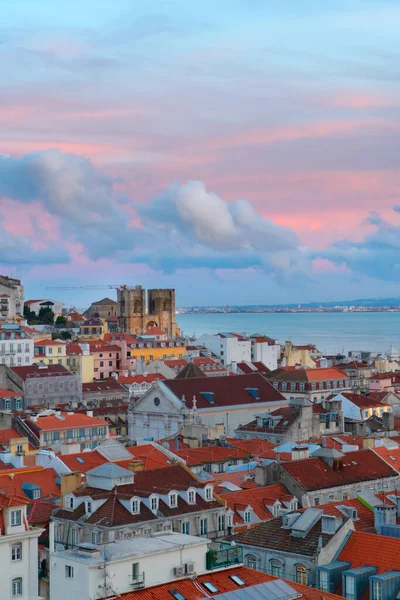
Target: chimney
388, 421
89, 413
324, 442
384, 514
177, 443
70, 482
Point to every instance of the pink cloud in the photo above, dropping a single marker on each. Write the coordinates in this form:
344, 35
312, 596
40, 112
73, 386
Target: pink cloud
322, 265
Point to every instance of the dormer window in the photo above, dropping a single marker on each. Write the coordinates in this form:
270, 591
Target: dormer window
173, 500
247, 516
154, 503
293, 505
135, 506
209, 493
71, 502
89, 507
191, 497
16, 518
276, 508
376, 590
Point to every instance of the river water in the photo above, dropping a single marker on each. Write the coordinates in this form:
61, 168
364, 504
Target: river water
330, 332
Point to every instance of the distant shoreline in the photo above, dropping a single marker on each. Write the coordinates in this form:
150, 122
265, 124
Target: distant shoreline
352, 310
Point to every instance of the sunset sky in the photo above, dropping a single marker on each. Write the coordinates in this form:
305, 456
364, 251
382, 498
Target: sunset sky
242, 151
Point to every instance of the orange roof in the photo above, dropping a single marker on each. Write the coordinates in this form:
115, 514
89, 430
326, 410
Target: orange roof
365, 517
51, 422
83, 461
151, 457
372, 549
8, 434
258, 498
8, 393
12, 479
193, 589
154, 331
49, 343
254, 446
392, 457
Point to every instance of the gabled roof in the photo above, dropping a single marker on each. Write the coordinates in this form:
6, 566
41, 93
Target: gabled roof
225, 391
9, 393
105, 301
110, 471
315, 474
46, 371
103, 385
148, 378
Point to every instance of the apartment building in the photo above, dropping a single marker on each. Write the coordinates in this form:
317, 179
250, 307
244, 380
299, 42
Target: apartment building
16, 345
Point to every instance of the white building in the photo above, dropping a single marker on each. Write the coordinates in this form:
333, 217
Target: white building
107, 570
18, 551
16, 346
11, 297
35, 306
265, 350
228, 347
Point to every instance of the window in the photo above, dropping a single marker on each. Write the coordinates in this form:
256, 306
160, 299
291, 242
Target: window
173, 500
186, 527
75, 537
15, 518
7, 404
350, 587
71, 502
191, 497
69, 572
331, 498
221, 522
18, 404
230, 520
210, 587
247, 516
276, 568
110, 363
89, 507
16, 552
238, 580
376, 590
36, 494
135, 506
20, 448
321, 385
301, 574
50, 350
154, 503
345, 496
324, 581
95, 537
251, 561
316, 501
293, 386
102, 363
135, 571
203, 526
177, 595
284, 385
208, 493
17, 586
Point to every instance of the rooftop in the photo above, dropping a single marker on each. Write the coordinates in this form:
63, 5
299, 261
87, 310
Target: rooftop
41, 371
307, 375
66, 421
372, 549
225, 391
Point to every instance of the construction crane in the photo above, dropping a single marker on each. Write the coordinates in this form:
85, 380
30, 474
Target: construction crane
88, 287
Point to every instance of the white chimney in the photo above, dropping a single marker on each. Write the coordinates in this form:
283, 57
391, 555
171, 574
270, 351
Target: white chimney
89, 413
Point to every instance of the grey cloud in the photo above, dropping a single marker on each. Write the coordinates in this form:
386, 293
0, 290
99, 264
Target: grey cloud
18, 251
377, 255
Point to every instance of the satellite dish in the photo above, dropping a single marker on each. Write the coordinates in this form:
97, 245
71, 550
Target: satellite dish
165, 445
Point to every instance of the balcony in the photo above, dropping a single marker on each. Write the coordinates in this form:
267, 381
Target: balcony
138, 581
217, 559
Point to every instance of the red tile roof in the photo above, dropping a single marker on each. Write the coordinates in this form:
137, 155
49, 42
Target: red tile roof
211, 454
259, 498
53, 423
12, 479
149, 378
228, 391
317, 374
8, 393
8, 434
36, 371
154, 331
41, 512
372, 549
223, 583
392, 456
254, 446
363, 401
103, 385
316, 474
47, 342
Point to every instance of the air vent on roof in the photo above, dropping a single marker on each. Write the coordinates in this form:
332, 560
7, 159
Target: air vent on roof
209, 396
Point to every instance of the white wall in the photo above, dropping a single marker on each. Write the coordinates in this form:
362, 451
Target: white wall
89, 579
267, 354
227, 349
27, 568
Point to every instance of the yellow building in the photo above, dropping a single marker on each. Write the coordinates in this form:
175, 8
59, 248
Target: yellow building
149, 350
297, 356
74, 357
93, 329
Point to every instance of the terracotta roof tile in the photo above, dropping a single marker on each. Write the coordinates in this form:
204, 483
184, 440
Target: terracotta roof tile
372, 549
52, 423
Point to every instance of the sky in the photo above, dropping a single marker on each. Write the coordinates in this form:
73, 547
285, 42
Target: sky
241, 151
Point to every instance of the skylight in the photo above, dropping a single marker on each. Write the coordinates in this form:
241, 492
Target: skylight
79, 459
210, 587
177, 594
237, 580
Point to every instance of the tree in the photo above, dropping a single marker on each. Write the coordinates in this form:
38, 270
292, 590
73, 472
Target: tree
64, 335
46, 316
61, 322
